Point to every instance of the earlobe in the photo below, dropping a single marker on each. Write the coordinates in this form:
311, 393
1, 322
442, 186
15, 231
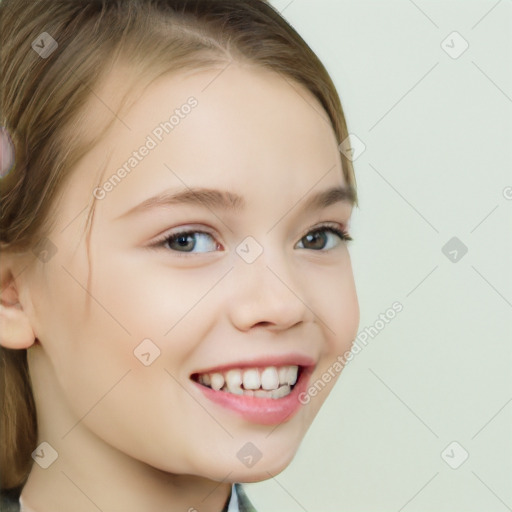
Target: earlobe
15, 329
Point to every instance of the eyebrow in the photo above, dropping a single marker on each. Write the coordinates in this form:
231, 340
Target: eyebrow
229, 201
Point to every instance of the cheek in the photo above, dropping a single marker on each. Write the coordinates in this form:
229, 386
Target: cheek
345, 313
100, 379
173, 307
338, 309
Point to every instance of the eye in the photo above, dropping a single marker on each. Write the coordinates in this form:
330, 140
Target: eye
192, 241
187, 241
318, 237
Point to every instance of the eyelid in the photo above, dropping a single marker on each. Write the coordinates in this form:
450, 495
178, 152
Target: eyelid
159, 242
339, 228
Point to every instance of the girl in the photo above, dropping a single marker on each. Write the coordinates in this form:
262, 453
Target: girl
175, 282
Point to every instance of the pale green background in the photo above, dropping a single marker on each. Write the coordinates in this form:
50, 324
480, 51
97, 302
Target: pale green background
435, 167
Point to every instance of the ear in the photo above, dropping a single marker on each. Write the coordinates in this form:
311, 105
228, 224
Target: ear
15, 329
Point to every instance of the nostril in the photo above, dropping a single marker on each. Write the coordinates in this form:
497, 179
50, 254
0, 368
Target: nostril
263, 324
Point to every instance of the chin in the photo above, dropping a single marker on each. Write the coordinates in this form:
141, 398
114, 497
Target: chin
261, 474
262, 470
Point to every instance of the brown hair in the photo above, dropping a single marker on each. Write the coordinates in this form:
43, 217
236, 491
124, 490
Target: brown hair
43, 99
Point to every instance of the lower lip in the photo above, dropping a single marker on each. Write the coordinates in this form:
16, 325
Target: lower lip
264, 411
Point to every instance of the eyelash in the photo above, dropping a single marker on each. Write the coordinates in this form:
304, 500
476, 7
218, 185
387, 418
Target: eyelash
161, 242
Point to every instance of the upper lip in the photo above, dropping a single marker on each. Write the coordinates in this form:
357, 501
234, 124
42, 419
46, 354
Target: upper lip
265, 361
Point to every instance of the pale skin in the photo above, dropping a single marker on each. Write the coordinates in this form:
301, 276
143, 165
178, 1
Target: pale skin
131, 437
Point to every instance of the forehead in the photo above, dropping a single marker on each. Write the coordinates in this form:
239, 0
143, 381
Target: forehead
250, 130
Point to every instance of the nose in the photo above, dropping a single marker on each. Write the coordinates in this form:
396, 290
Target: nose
266, 294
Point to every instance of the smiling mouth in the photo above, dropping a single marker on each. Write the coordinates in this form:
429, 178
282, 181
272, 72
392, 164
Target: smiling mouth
267, 382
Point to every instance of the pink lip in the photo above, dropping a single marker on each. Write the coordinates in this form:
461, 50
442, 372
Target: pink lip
263, 411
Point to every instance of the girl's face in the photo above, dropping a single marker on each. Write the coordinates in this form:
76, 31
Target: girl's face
130, 327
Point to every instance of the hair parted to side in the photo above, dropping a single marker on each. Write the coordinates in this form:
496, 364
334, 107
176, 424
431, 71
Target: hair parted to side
43, 100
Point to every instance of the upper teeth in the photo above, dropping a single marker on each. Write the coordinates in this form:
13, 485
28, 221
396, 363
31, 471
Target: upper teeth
237, 380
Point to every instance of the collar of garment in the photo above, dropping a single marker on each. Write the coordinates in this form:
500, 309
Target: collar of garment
233, 500
233, 504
